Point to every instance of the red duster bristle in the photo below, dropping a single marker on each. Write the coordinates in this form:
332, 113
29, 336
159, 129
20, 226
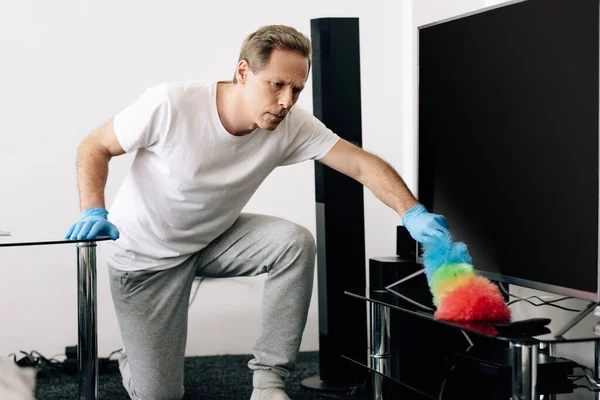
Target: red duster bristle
486, 327
479, 301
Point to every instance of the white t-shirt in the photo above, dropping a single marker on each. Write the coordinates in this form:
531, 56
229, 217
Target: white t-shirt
190, 178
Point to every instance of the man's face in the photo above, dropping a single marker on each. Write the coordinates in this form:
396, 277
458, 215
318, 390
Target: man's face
271, 93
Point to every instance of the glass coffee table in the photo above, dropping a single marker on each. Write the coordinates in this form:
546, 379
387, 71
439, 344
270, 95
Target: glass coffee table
87, 345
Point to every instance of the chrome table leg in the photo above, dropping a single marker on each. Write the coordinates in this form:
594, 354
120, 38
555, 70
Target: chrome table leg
87, 346
524, 379
380, 347
597, 365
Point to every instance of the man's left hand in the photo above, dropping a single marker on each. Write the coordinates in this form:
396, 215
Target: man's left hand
424, 226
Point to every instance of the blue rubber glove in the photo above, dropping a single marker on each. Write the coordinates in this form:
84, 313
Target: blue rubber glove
93, 223
424, 226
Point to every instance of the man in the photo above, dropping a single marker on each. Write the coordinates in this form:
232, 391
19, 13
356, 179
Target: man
202, 151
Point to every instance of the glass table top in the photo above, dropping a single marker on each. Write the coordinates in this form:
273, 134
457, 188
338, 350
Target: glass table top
584, 332
8, 239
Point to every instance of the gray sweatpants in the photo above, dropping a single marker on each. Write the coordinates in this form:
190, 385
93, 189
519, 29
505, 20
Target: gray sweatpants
152, 306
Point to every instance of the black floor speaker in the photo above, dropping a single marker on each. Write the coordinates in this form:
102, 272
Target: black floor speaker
340, 208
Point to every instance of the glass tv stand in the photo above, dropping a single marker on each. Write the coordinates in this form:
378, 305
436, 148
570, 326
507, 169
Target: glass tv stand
87, 345
527, 349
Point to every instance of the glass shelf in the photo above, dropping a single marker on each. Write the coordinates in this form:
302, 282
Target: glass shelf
547, 335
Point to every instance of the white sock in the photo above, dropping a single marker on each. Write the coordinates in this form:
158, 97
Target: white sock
269, 394
268, 386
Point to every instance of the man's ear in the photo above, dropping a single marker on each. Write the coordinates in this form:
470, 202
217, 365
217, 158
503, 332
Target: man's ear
242, 70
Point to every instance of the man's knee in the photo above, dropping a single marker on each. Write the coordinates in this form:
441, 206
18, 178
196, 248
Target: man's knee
297, 236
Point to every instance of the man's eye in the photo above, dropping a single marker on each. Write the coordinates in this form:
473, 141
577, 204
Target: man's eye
276, 84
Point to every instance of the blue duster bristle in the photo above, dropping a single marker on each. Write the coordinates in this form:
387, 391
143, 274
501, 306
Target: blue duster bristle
444, 251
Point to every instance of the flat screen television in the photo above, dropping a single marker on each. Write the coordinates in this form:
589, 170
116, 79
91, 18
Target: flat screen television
508, 140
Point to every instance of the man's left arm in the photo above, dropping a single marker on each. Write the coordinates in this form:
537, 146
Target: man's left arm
385, 183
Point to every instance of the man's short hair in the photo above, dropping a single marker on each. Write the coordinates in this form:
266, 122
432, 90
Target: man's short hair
259, 45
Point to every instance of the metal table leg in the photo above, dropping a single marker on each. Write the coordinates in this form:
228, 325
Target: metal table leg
597, 365
552, 353
87, 346
524, 379
549, 349
380, 347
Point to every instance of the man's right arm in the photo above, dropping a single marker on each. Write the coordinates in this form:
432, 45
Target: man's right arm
93, 156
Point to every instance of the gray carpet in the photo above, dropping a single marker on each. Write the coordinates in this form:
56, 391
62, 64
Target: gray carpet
216, 378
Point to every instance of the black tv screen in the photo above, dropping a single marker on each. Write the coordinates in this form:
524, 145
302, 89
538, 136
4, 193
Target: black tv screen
508, 139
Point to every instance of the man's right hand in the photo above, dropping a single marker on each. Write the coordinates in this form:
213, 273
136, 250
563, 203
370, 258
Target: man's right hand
93, 223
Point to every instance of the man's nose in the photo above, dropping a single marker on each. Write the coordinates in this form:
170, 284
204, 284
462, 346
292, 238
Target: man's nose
286, 100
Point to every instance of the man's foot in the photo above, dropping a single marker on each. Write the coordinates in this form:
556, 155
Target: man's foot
269, 394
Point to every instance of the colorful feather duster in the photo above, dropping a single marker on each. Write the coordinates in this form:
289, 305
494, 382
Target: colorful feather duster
458, 293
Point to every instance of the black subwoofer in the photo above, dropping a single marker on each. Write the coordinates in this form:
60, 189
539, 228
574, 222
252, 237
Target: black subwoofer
340, 208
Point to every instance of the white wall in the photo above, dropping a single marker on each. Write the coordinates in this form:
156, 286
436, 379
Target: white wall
68, 66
